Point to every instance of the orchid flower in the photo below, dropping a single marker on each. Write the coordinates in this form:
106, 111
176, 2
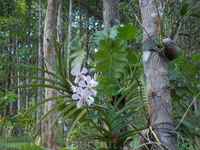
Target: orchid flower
82, 98
74, 88
84, 90
89, 84
79, 73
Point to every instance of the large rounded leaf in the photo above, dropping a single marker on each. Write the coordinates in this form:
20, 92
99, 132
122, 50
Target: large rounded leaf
111, 57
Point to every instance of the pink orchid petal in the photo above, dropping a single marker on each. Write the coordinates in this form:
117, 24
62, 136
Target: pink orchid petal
91, 99
84, 93
79, 103
76, 79
88, 79
88, 102
94, 84
75, 96
84, 70
93, 92
79, 90
78, 67
82, 84
74, 89
74, 72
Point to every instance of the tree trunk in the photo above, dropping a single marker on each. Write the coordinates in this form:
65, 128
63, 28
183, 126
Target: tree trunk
49, 53
69, 30
110, 13
59, 23
157, 77
14, 104
40, 65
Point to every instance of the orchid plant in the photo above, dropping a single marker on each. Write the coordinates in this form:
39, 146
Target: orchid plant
84, 91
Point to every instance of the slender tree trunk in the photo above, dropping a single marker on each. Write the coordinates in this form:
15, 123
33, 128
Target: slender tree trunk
59, 23
14, 105
40, 65
110, 13
69, 28
27, 94
49, 53
80, 19
18, 92
157, 77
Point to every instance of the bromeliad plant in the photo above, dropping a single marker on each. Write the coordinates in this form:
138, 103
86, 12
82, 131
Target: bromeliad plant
112, 96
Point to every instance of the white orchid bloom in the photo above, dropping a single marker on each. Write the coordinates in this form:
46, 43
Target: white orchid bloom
89, 84
82, 98
79, 73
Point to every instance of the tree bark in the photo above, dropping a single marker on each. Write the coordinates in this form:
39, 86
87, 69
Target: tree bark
110, 13
40, 65
14, 104
157, 77
59, 23
69, 30
49, 53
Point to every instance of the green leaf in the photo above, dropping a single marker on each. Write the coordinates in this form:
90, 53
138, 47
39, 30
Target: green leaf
13, 95
55, 69
127, 32
111, 57
125, 124
101, 148
30, 146
195, 15
104, 86
127, 134
96, 136
75, 122
134, 143
77, 52
93, 116
101, 129
105, 117
131, 57
62, 113
102, 35
99, 35
180, 91
112, 32
115, 91
123, 118
42, 78
196, 58
11, 145
197, 135
192, 78
126, 108
188, 124
9, 100
184, 10
69, 148
40, 85
3, 121
1, 94
24, 146
43, 70
44, 101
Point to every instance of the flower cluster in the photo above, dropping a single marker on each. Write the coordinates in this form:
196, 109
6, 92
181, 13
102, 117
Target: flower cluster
84, 89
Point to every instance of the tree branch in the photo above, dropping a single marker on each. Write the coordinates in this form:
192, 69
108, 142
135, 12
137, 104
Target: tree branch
187, 111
